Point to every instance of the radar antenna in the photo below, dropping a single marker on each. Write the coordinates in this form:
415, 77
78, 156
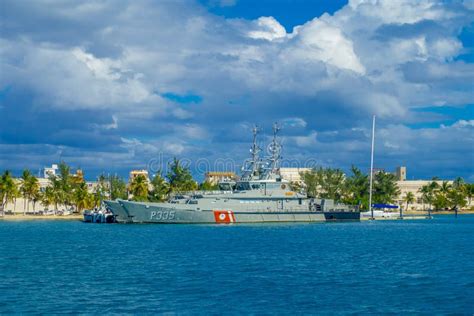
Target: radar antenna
251, 166
275, 149
255, 150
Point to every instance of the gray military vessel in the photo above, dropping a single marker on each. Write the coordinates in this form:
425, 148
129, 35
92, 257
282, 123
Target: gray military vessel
261, 195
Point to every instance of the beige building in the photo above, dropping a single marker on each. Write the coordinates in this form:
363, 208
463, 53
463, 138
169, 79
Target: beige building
293, 174
401, 173
135, 173
214, 177
412, 186
21, 205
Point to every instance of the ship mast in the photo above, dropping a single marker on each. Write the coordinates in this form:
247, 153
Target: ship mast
275, 149
255, 151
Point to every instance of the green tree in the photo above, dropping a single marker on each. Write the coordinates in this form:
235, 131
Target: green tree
458, 183
357, 188
331, 183
440, 201
385, 188
81, 196
101, 190
8, 189
445, 187
48, 197
35, 198
138, 187
409, 199
65, 185
118, 188
207, 186
56, 194
29, 188
456, 198
324, 183
441, 192
296, 186
427, 195
469, 188
311, 182
161, 189
180, 178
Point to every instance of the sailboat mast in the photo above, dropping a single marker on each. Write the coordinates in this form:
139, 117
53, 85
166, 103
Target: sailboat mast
255, 151
372, 169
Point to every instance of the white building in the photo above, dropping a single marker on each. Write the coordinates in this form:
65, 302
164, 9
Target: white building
50, 171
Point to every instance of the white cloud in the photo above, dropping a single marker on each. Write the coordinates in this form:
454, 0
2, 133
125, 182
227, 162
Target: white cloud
399, 11
330, 73
463, 124
268, 28
293, 122
304, 141
318, 40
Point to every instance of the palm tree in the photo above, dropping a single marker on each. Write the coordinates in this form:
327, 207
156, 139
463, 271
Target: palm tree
81, 197
35, 198
180, 178
56, 194
310, 182
65, 184
118, 188
426, 195
385, 188
458, 183
48, 197
24, 188
161, 189
409, 198
445, 187
8, 189
357, 188
29, 187
139, 188
469, 191
331, 183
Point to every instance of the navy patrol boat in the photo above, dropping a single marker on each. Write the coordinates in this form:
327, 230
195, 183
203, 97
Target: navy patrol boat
260, 196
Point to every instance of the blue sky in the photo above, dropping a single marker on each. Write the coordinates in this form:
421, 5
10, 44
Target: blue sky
110, 86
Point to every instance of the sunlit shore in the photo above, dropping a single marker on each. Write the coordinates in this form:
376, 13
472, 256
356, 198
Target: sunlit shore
21, 217
75, 217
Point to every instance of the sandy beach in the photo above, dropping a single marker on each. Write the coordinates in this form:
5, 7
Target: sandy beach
21, 217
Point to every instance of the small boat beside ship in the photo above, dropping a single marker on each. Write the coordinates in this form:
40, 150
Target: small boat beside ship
260, 196
99, 216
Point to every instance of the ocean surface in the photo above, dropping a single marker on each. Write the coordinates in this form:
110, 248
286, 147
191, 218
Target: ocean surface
338, 268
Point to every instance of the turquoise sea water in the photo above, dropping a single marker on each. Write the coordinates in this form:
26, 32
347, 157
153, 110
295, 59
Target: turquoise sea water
368, 267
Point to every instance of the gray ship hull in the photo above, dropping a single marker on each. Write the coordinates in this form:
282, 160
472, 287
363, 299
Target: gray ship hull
120, 213
166, 214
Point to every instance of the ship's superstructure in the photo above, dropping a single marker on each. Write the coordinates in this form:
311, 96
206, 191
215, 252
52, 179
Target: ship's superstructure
261, 195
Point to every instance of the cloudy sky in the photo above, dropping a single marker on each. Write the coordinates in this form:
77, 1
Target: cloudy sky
114, 85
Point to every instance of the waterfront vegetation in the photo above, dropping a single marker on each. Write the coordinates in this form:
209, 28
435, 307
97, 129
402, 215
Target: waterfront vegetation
354, 189
70, 191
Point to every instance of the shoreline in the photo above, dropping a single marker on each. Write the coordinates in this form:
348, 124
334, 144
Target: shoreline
79, 217
435, 212
21, 217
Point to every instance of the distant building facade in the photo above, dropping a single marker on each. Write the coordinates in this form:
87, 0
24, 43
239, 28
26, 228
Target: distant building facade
293, 174
214, 177
21, 205
50, 171
412, 186
401, 173
135, 173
